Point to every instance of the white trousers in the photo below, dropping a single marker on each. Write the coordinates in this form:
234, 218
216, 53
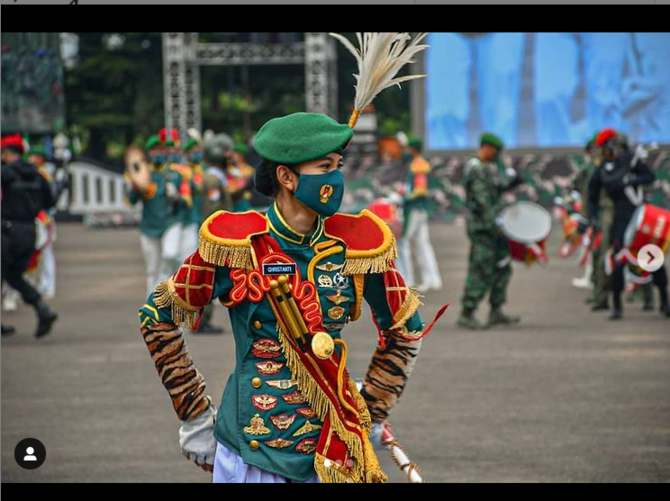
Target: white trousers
417, 238
162, 256
47, 285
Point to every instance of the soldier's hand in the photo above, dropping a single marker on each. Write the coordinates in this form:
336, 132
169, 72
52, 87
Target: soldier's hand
196, 439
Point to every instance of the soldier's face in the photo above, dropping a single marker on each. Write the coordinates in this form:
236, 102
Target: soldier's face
37, 160
325, 165
489, 153
9, 157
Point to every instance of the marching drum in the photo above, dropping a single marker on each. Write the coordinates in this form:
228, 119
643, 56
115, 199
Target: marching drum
650, 226
527, 226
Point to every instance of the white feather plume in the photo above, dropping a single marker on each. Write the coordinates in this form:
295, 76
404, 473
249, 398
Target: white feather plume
380, 58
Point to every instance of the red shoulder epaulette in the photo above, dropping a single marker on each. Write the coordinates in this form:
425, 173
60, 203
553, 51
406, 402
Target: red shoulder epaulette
225, 238
371, 246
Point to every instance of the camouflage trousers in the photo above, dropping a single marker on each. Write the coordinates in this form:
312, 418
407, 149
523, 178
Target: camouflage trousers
490, 270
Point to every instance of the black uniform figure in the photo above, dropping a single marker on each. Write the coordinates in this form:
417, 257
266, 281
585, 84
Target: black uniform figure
622, 176
24, 194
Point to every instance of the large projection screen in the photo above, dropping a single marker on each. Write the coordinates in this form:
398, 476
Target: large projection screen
545, 90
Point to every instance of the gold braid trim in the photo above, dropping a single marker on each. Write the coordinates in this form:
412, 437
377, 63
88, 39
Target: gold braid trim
362, 406
232, 256
380, 263
323, 407
182, 313
408, 309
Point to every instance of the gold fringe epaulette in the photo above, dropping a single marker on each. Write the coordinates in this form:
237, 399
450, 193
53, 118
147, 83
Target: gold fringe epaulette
225, 238
182, 313
408, 309
371, 246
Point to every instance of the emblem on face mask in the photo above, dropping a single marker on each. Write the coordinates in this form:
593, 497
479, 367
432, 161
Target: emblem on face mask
326, 192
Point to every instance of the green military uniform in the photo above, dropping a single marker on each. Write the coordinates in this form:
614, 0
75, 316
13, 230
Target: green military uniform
162, 209
158, 212
271, 414
490, 269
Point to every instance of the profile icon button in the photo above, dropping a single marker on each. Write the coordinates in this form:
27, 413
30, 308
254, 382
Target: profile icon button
30, 454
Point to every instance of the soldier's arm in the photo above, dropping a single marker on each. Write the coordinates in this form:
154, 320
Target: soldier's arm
595, 189
134, 195
486, 203
176, 302
642, 175
395, 312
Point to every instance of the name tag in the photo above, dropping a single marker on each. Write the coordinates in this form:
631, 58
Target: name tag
279, 269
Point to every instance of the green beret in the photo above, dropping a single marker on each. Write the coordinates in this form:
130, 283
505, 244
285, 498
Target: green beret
39, 151
241, 148
301, 137
190, 144
415, 143
153, 142
493, 140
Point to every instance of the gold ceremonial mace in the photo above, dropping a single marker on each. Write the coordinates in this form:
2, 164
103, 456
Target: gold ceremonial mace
323, 345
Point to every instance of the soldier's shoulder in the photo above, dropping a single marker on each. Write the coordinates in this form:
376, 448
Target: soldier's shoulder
225, 238
371, 246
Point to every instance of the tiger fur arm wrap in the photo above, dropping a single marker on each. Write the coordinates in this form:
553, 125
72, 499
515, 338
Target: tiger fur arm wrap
388, 373
174, 364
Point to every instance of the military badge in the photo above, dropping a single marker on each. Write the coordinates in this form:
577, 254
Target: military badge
266, 348
338, 298
307, 412
325, 282
257, 427
294, 398
279, 443
329, 267
336, 313
307, 428
269, 368
283, 421
341, 281
264, 402
282, 384
307, 446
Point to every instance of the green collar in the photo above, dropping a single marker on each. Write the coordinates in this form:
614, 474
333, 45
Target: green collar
279, 226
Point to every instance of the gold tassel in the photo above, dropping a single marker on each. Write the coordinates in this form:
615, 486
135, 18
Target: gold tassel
323, 408
412, 303
232, 256
361, 404
373, 470
375, 264
166, 296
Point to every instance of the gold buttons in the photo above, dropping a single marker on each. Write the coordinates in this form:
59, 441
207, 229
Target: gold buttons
256, 382
258, 325
254, 445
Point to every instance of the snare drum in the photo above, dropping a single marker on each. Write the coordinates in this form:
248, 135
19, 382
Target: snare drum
650, 226
527, 226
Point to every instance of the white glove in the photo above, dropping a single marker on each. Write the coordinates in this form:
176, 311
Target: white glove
171, 191
641, 153
196, 438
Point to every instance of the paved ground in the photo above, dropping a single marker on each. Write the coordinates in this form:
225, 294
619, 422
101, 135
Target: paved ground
565, 397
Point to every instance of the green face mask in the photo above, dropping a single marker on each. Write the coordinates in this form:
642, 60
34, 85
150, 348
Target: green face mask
323, 193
